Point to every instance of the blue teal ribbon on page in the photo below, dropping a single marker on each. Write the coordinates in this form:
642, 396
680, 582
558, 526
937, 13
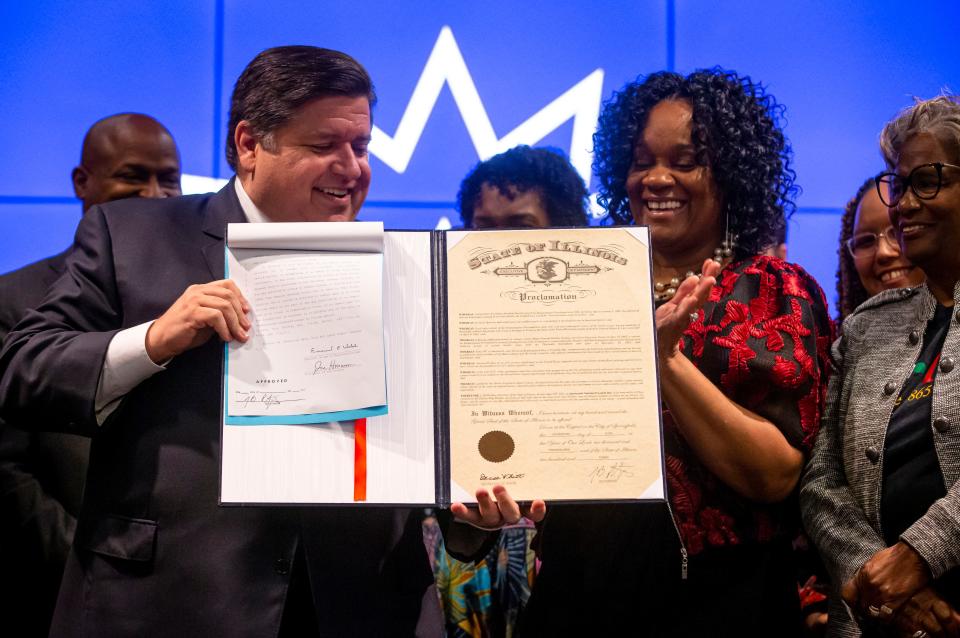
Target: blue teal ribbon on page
307, 419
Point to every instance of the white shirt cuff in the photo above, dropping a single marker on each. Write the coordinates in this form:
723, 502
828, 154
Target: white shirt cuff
126, 366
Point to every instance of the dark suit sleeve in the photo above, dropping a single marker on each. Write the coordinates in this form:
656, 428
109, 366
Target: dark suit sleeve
52, 362
31, 513
38, 524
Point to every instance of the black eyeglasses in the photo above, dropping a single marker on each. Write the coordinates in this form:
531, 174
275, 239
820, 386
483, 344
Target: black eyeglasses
925, 181
863, 245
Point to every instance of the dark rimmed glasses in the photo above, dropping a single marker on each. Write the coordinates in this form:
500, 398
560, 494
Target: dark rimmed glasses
863, 245
925, 181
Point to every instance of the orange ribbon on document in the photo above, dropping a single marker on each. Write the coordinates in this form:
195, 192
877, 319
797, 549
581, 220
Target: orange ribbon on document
360, 460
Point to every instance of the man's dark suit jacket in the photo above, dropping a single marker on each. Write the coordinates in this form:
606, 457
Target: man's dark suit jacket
154, 554
41, 481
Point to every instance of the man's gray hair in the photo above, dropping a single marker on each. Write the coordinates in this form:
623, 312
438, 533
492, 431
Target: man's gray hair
939, 116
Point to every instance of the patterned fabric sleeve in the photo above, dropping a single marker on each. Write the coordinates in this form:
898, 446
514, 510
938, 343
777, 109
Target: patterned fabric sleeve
934, 535
764, 340
831, 515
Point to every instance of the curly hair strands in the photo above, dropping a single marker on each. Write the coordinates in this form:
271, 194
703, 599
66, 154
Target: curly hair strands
736, 132
520, 169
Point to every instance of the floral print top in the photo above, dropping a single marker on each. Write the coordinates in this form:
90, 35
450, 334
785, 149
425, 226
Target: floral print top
763, 338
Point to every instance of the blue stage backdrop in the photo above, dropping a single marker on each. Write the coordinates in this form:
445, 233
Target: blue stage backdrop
457, 82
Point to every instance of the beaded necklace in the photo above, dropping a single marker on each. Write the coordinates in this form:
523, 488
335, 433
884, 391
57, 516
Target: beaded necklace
665, 290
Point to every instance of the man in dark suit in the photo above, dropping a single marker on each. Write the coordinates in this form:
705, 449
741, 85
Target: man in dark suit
42, 473
121, 350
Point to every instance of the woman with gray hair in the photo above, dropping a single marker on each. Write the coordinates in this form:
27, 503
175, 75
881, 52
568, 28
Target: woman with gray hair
880, 496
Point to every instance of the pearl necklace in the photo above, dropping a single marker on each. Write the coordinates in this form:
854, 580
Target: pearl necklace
665, 290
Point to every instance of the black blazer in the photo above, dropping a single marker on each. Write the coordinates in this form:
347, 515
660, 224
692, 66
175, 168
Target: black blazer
41, 480
154, 553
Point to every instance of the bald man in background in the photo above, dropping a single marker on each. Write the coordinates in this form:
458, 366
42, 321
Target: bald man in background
124, 155
127, 155
42, 473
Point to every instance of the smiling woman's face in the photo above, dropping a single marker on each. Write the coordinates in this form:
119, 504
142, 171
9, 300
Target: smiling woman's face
929, 229
669, 191
886, 268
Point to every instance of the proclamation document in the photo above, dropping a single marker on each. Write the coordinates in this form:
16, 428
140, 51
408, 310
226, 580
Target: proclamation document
315, 352
553, 387
524, 358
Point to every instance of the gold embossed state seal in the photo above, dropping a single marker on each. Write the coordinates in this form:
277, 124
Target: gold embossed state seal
496, 446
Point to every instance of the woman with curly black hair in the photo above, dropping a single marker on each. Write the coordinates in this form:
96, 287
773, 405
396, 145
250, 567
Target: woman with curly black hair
870, 260
702, 161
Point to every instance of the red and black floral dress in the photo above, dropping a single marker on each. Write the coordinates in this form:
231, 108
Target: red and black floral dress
763, 338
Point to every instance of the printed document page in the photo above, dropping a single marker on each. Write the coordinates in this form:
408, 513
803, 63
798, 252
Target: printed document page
553, 377
316, 345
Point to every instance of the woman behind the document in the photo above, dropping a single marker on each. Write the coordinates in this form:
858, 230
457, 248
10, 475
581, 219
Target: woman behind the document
701, 161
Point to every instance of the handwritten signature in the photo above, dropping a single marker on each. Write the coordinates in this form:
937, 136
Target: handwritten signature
323, 367
343, 347
265, 399
610, 473
506, 476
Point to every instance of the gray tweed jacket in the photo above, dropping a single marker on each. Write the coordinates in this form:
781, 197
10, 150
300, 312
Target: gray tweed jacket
840, 490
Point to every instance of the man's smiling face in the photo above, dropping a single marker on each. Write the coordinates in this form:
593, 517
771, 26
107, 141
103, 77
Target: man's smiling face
313, 168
